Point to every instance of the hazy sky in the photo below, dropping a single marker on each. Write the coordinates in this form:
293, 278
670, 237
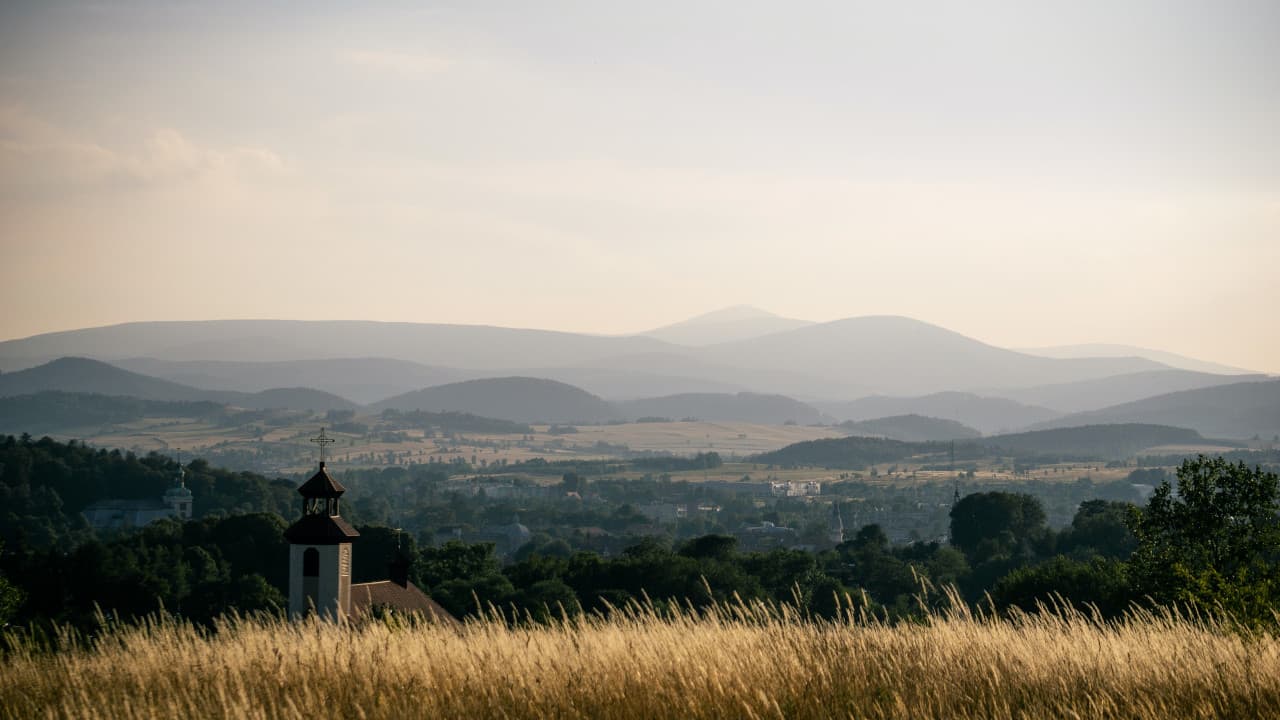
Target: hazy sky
1075, 172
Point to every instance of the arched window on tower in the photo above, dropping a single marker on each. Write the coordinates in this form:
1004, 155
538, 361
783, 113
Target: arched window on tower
311, 562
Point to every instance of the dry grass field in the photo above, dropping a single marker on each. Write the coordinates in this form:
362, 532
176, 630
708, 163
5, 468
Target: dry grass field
743, 662
687, 438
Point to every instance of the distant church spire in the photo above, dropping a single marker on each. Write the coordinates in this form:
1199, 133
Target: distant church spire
835, 528
178, 497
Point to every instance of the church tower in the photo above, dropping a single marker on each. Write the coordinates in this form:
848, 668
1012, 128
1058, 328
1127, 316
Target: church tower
320, 548
178, 497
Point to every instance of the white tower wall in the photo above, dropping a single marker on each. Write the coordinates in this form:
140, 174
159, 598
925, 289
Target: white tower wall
330, 590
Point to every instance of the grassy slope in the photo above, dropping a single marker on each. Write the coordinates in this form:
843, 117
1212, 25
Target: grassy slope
740, 662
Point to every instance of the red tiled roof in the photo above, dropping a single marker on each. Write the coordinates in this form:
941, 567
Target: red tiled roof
407, 599
321, 486
320, 530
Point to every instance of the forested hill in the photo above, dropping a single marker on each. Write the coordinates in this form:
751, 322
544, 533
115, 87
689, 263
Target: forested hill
45, 484
1109, 442
851, 452
65, 413
517, 399
1093, 442
82, 375
987, 414
1239, 410
294, 398
911, 428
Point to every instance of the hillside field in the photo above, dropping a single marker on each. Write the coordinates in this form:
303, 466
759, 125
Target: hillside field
285, 449
194, 436
735, 662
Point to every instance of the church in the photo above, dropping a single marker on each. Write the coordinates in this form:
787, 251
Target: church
106, 515
320, 562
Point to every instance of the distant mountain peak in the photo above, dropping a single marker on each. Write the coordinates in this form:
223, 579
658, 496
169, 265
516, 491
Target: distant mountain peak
735, 312
736, 322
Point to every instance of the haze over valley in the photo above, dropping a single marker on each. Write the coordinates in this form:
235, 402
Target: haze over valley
883, 376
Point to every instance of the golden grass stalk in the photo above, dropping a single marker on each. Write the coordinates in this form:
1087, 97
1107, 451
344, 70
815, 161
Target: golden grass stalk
743, 660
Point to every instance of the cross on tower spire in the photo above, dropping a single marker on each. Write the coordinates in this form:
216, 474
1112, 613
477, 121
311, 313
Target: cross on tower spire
322, 440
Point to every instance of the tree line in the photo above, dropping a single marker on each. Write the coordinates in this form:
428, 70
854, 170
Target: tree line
1211, 540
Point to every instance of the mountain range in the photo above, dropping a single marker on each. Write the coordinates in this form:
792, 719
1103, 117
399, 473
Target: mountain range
737, 364
367, 361
1234, 410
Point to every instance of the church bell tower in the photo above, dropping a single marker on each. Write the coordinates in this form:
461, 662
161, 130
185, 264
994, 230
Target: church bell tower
178, 497
320, 548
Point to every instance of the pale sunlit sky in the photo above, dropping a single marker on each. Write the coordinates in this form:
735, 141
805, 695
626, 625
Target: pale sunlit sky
1065, 173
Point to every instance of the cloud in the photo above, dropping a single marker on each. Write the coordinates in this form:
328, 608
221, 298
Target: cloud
397, 62
39, 156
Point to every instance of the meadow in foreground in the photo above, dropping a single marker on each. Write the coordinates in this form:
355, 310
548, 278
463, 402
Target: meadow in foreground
745, 661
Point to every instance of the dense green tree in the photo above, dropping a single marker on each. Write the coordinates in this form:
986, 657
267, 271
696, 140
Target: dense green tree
1102, 583
455, 560
1100, 527
11, 597
546, 600
823, 596
713, 547
1215, 542
984, 525
778, 569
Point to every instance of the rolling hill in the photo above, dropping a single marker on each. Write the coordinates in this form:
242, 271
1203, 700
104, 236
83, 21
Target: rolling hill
911, 428
1107, 442
51, 411
82, 375
518, 399
363, 380
298, 398
628, 378
1173, 360
853, 453
902, 356
986, 414
460, 346
1086, 395
1239, 410
1094, 442
742, 407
